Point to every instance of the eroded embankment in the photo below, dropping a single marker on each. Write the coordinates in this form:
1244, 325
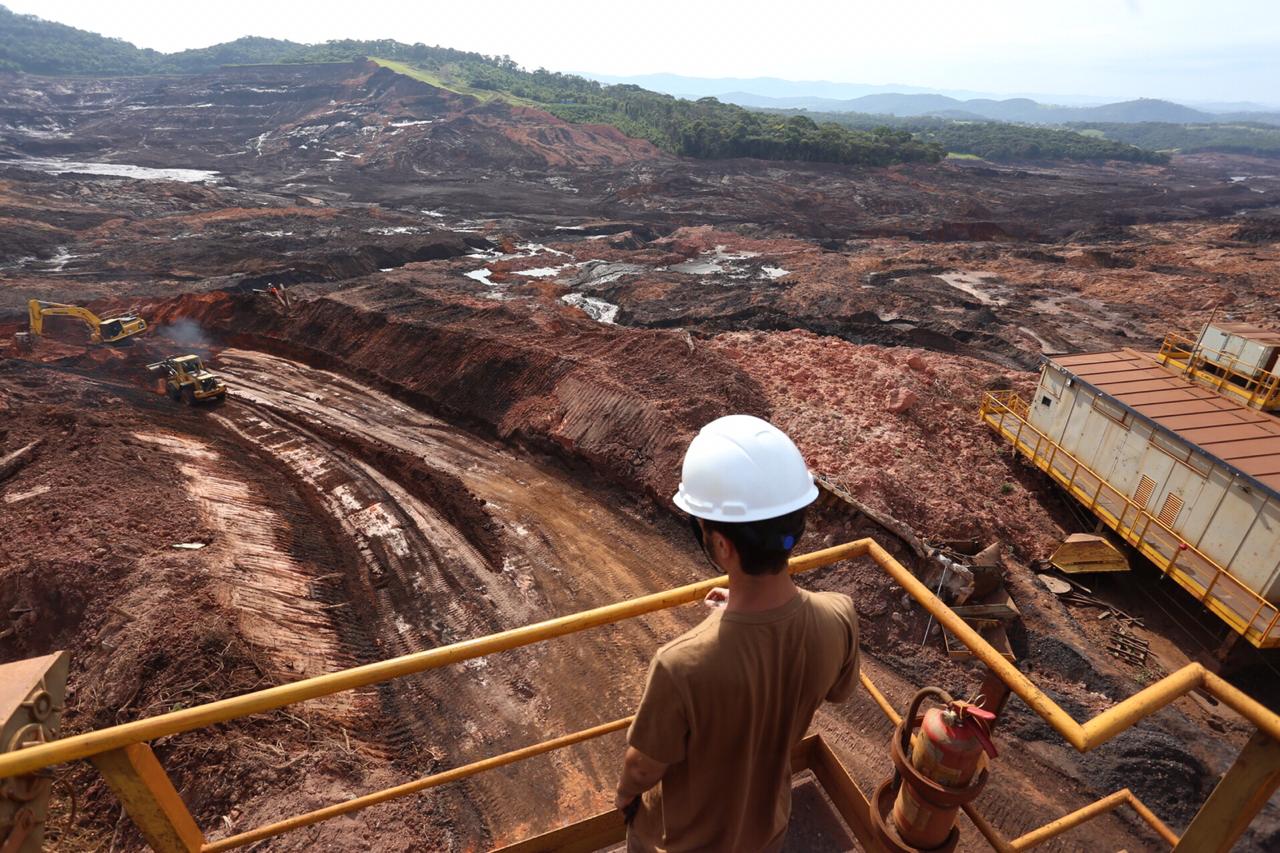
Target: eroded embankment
624, 401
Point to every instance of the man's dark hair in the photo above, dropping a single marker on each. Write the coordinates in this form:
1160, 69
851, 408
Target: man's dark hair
763, 546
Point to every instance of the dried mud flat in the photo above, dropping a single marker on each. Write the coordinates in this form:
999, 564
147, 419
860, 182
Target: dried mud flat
502, 332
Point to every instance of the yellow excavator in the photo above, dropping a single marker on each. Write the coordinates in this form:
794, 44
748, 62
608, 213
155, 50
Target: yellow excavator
101, 331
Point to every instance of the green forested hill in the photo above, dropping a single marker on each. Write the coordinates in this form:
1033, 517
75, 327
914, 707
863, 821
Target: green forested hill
704, 128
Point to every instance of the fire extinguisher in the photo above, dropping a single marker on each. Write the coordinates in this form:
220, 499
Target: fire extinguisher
947, 750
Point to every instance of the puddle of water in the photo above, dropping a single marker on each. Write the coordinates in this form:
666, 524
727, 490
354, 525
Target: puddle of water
537, 248
596, 309
543, 272
53, 166
712, 262
59, 260
972, 284
393, 229
1046, 348
698, 267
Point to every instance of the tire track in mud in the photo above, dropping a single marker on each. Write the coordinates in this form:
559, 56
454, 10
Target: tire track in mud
259, 579
422, 585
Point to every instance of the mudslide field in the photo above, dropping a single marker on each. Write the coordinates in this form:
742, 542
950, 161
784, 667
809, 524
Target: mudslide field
466, 344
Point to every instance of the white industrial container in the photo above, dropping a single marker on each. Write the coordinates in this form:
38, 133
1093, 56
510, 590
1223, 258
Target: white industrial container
1247, 349
1204, 465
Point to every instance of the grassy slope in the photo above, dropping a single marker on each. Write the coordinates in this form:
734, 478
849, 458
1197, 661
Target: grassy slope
445, 78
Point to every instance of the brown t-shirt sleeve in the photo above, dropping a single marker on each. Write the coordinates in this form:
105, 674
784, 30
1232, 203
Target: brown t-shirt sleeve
847, 680
661, 727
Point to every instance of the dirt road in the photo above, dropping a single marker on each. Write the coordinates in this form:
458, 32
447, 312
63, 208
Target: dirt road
421, 582
564, 548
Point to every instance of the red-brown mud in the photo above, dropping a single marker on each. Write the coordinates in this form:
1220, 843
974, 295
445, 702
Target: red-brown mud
501, 333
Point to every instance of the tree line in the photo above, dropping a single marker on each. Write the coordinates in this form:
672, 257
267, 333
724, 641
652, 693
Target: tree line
997, 141
1259, 140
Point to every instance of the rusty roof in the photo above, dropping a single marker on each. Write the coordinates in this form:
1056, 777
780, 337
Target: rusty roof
1266, 337
1246, 439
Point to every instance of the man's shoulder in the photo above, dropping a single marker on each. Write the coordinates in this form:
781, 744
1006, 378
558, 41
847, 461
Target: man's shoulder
833, 607
691, 648
831, 602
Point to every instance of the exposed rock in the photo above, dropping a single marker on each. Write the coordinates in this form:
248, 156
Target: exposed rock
902, 399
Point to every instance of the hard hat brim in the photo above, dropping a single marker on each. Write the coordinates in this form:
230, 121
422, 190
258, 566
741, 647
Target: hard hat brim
732, 515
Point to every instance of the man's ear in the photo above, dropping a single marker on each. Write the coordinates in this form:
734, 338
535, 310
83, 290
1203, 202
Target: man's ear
722, 547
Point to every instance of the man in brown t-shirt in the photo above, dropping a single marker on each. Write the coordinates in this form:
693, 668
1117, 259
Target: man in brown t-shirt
725, 703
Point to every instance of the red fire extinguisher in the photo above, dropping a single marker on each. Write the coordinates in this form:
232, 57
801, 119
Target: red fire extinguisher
946, 752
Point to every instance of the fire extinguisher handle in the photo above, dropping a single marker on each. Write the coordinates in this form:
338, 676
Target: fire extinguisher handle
978, 721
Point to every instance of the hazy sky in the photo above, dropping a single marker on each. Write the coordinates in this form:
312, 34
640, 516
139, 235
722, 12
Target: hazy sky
1181, 49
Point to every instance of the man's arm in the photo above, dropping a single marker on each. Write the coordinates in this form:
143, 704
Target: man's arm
659, 729
847, 680
639, 774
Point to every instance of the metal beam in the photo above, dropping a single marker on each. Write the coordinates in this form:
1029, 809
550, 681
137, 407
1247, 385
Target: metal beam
149, 798
1244, 789
414, 787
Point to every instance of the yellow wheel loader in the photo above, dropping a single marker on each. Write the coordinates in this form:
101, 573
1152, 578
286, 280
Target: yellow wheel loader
186, 379
101, 331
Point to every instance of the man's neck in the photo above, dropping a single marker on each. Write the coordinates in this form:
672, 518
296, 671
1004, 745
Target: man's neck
754, 593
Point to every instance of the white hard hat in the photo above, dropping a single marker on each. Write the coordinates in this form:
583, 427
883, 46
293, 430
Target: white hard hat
740, 468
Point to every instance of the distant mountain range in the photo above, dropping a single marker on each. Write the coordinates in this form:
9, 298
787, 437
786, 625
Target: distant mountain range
909, 101
1023, 110
772, 87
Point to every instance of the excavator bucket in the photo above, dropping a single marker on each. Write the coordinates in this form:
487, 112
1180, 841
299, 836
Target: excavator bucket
1084, 552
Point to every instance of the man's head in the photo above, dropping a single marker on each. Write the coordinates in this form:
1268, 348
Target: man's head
755, 547
746, 487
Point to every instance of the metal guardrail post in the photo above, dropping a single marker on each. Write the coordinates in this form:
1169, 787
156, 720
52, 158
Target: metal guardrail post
1244, 789
149, 798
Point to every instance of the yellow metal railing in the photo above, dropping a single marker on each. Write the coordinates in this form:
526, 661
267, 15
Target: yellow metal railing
123, 756
1248, 613
1223, 372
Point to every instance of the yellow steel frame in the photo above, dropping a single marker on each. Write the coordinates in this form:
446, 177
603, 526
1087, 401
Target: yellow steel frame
1257, 388
122, 755
1259, 623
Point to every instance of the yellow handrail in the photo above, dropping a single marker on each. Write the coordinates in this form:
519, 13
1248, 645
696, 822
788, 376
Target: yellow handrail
1256, 385
1081, 736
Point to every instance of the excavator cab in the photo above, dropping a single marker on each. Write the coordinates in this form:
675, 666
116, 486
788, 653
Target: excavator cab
120, 328
186, 379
